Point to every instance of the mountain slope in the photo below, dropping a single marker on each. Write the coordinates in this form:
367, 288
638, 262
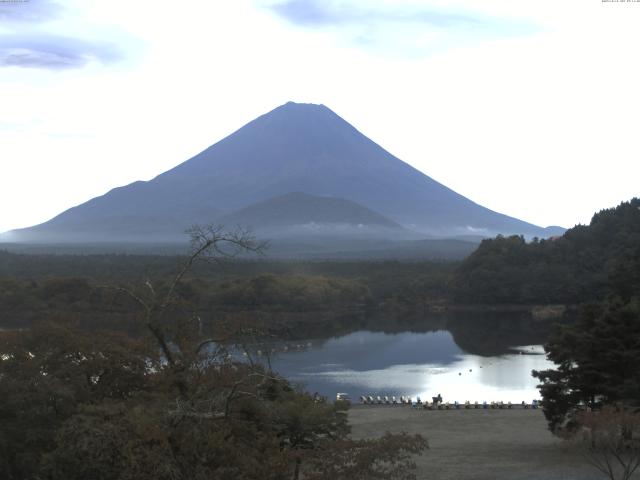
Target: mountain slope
585, 264
294, 148
304, 213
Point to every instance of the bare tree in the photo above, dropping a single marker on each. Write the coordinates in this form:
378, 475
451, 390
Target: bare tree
179, 336
610, 440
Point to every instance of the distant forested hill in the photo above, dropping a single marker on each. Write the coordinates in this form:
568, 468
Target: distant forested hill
588, 263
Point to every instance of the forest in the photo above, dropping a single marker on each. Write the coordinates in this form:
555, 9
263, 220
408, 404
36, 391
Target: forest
586, 264
273, 293
120, 366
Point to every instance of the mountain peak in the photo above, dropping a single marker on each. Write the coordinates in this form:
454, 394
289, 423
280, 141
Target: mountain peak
302, 112
291, 103
302, 105
297, 147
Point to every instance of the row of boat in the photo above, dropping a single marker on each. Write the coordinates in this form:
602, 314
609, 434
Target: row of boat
438, 404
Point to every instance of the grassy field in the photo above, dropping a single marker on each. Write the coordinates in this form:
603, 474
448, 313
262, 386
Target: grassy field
478, 444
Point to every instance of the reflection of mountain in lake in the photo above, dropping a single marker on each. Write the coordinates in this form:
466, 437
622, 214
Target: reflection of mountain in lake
408, 363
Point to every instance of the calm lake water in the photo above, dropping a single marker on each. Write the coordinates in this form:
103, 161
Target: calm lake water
409, 363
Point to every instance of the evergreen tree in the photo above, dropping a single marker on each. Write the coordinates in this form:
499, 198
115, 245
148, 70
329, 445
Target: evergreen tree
597, 360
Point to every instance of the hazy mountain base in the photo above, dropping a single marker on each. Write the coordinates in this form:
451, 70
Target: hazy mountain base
309, 247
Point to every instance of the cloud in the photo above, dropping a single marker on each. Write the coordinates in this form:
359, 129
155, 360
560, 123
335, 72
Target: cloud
397, 29
53, 52
326, 13
29, 11
307, 13
44, 34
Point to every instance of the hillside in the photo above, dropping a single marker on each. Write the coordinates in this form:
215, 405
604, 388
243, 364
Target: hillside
588, 263
295, 148
307, 214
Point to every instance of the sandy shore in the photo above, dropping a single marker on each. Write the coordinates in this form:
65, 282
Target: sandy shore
478, 444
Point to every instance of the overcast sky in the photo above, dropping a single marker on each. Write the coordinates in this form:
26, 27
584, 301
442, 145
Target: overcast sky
528, 107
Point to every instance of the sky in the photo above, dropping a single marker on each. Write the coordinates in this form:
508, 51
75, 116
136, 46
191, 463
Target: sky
528, 107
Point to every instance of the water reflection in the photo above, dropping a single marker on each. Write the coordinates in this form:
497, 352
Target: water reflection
410, 363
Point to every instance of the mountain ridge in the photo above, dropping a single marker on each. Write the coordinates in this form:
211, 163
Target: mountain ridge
294, 148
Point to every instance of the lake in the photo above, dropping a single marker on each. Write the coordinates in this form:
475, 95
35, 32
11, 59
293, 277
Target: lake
408, 363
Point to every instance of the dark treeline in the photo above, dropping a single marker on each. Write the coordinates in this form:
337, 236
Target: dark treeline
286, 300
293, 306
293, 298
300, 298
583, 265
586, 264
383, 278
